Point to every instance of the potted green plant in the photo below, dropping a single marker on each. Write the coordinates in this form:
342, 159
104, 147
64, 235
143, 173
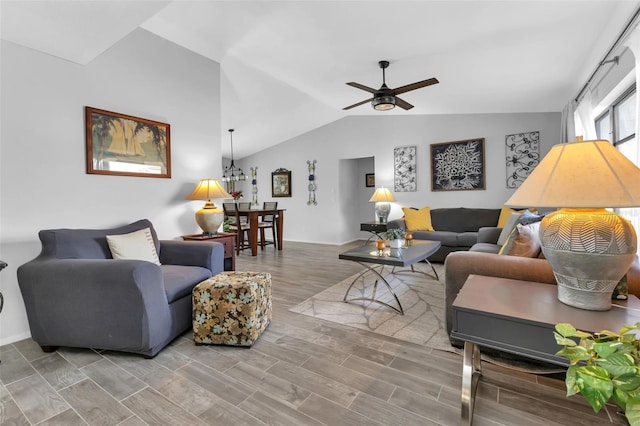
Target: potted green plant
395, 237
603, 366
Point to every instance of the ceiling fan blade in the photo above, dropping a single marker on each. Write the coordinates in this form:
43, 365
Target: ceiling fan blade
403, 104
362, 87
358, 104
414, 86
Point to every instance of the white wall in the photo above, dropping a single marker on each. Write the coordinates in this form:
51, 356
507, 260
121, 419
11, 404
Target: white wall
43, 183
340, 191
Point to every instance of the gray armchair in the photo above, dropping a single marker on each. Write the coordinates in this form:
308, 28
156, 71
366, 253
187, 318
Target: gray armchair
77, 295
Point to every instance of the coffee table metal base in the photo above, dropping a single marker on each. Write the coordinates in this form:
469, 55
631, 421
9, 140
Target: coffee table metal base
386, 284
375, 288
471, 372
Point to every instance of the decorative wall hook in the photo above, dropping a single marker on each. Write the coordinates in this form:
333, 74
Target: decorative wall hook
254, 183
312, 183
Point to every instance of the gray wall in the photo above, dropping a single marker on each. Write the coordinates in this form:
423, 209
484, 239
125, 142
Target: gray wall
43, 183
341, 147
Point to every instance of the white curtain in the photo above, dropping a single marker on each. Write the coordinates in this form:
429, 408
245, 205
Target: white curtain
585, 121
568, 126
633, 43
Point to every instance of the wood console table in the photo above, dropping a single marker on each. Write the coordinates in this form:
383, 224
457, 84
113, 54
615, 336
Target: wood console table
227, 239
519, 317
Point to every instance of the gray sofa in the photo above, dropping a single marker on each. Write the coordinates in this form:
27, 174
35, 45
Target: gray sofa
456, 228
77, 295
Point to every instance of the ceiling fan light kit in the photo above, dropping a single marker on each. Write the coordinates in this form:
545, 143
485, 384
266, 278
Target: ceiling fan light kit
383, 103
385, 98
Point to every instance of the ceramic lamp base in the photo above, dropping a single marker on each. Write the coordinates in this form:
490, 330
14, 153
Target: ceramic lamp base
209, 218
589, 250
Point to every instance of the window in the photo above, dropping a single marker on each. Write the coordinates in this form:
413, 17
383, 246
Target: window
618, 125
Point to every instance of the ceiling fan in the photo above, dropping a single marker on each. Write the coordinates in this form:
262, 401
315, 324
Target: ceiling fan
385, 98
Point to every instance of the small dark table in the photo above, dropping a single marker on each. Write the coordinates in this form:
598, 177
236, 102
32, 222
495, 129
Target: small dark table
367, 254
519, 317
376, 229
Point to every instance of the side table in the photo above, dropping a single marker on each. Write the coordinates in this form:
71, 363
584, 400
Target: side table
376, 229
227, 239
519, 317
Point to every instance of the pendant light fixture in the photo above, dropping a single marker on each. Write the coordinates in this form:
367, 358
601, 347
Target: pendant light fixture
232, 173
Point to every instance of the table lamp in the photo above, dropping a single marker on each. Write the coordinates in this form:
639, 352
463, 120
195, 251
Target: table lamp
209, 217
382, 197
589, 248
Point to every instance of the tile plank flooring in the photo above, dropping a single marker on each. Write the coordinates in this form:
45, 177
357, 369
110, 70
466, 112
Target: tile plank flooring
302, 371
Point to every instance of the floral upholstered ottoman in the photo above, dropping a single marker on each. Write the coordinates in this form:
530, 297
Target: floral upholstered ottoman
231, 308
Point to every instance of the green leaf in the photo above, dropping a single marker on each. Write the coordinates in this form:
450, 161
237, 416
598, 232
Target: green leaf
621, 398
574, 354
618, 364
632, 411
605, 349
564, 341
594, 385
566, 329
606, 334
627, 382
570, 381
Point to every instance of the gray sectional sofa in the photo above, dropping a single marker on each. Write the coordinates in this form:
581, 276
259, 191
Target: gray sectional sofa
456, 228
77, 295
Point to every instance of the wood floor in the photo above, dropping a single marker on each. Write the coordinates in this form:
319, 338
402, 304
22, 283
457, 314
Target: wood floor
302, 371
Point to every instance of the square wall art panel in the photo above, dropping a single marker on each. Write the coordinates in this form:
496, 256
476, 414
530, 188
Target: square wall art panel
457, 166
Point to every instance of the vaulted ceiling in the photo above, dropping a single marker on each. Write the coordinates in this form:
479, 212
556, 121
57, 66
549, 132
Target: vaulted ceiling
284, 64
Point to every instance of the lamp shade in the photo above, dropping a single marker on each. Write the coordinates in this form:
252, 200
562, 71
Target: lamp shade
382, 194
581, 174
208, 189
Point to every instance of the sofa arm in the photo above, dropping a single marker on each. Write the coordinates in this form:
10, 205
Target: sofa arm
95, 303
206, 254
396, 224
489, 234
459, 265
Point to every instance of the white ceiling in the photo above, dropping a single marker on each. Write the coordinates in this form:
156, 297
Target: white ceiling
284, 64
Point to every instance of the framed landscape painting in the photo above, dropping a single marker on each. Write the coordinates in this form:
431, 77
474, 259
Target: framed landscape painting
458, 165
123, 145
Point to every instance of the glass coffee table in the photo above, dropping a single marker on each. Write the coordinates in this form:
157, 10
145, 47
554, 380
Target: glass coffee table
403, 257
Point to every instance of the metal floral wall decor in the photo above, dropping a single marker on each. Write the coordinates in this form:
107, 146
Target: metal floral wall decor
458, 165
311, 165
254, 186
522, 155
404, 166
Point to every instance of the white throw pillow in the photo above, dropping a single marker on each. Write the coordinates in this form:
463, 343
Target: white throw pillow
508, 227
136, 245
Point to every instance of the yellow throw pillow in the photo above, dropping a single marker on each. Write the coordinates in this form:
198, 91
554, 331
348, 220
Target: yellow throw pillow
505, 212
417, 219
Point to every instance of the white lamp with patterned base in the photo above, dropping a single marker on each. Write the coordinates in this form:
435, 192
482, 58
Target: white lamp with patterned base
589, 248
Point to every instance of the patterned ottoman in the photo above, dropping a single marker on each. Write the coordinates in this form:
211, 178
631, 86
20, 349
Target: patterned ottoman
231, 308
